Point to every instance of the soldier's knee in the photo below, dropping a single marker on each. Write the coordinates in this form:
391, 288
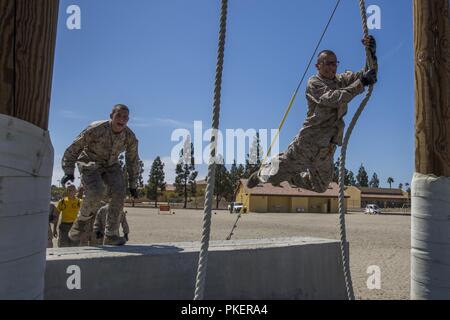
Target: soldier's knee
95, 196
118, 195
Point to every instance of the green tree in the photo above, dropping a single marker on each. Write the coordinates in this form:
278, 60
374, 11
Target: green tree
400, 186
185, 184
349, 178
362, 178
222, 182
390, 180
253, 161
236, 174
156, 180
374, 182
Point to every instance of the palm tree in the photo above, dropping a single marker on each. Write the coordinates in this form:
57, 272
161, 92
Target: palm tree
390, 180
408, 189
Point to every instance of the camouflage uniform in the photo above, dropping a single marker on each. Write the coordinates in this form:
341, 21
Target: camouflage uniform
102, 217
96, 151
308, 162
52, 219
88, 238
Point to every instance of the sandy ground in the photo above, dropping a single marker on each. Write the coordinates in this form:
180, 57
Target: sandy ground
382, 240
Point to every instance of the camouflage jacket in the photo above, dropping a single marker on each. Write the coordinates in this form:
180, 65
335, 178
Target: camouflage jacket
100, 220
98, 146
327, 105
53, 214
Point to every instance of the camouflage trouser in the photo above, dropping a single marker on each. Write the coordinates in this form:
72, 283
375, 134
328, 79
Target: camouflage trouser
89, 238
50, 237
63, 236
94, 181
304, 164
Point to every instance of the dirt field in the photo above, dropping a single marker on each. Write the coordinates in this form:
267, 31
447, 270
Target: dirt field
382, 241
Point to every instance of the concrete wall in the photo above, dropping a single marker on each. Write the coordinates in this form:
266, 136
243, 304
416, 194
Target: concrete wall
26, 165
279, 204
287, 268
258, 204
355, 197
335, 205
299, 202
316, 205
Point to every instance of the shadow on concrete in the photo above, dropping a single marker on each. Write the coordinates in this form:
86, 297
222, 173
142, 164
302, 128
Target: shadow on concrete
143, 249
136, 249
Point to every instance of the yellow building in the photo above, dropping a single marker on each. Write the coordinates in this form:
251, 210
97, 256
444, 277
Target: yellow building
359, 197
267, 198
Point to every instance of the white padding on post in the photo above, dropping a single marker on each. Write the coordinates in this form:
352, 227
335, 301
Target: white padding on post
430, 237
26, 165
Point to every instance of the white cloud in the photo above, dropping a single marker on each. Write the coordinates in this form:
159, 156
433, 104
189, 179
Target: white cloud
69, 114
165, 122
174, 123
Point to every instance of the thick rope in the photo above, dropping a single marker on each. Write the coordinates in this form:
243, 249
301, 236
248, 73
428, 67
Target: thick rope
235, 225
203, 257
289, 107
342, 209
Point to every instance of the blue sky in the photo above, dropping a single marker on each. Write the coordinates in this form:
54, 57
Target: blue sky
159, 57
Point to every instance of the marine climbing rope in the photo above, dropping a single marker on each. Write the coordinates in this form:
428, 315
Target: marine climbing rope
203, 257
370, 63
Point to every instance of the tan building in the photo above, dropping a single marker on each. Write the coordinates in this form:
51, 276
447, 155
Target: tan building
267, 198
359, 197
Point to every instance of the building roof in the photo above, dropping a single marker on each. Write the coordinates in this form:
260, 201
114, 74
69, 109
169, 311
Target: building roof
285, 189
384, 196
380, 191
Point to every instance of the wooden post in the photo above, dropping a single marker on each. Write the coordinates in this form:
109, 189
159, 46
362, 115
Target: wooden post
27, 45
430, 209
432, 92
27, 42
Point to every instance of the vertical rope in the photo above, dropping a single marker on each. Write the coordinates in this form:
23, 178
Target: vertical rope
203, 257
371, 63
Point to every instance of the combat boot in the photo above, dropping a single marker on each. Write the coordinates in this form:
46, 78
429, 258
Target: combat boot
114, 241
253, 181
77, 230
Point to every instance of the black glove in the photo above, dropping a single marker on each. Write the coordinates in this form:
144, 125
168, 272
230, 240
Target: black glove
126, 236
99, 235
67, 177
372, 46
369, 77
134, 193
